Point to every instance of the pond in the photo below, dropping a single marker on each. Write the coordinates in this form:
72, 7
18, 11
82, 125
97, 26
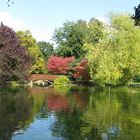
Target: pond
70, 113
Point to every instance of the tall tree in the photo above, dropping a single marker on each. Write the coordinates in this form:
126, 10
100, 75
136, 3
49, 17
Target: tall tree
70, 39
14, 59
38, 62
73, 35
95, 31
136, 15
115, 59
46, 49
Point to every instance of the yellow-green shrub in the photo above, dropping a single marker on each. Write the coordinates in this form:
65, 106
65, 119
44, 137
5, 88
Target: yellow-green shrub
62, 80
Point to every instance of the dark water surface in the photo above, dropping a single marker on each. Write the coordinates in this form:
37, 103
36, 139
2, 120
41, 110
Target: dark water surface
70, 113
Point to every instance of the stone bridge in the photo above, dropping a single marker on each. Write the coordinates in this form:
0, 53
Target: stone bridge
41, 79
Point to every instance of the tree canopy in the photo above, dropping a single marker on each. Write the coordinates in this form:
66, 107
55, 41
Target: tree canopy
14, 59
70, 39
27, 40
72, 36
95, 31
136, 15
106, 53
59, 65
115, 59
82, 70
46, 49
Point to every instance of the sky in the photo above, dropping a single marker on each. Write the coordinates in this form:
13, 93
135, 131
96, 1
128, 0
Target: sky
42, 17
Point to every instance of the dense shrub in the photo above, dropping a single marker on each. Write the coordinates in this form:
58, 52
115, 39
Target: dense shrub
62, 80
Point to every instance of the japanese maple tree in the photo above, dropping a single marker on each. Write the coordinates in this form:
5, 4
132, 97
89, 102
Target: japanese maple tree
59, 65
81, 70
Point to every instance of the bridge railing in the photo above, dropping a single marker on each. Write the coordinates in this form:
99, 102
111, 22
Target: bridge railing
35, 77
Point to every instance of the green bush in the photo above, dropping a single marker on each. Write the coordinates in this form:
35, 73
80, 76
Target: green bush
136, 78
62, 80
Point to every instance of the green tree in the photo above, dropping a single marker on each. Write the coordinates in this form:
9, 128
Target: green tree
70, 39
136, 15
73, 35
38, 62
95, 31
46, 48
115, 59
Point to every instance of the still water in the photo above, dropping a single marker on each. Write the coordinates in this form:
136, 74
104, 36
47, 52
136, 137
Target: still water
70, 113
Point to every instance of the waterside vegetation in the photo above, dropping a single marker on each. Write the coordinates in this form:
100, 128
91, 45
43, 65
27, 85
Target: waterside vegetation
103, 53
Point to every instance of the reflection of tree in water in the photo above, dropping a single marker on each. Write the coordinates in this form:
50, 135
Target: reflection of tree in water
80, 113
114, 112
15, 112
68, 125
108, 114
39, 96
69, 109
57, 102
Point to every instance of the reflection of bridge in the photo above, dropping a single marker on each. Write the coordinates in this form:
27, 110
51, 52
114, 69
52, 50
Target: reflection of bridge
41, 79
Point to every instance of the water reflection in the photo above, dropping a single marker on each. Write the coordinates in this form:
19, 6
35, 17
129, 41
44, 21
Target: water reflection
71, 113
15, 112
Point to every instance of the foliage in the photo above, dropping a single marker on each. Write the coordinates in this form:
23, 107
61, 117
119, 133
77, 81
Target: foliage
38, 62
61, 80
136, 78
46, 48
115, 59
95, 31
59, 65
70, 39
72, 36
14, 59
136, 16
82, 71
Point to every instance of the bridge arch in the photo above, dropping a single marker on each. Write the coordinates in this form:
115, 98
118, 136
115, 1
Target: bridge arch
41, 78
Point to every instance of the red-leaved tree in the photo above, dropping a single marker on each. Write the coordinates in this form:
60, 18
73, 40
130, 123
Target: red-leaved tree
59, 65
14, 59
81, 71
